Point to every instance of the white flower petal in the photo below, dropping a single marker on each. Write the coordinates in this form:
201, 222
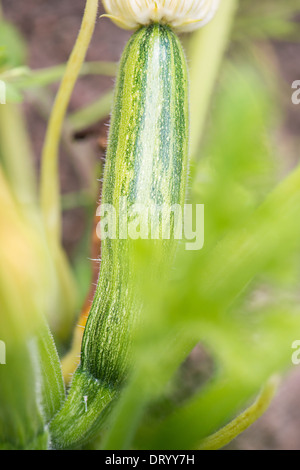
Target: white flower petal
181, 15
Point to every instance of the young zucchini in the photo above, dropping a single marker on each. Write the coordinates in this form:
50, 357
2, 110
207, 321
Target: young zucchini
146, 164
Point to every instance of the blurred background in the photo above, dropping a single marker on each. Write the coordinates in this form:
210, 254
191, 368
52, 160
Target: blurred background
49, 30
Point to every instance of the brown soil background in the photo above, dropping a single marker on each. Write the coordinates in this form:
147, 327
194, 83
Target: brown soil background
50, 29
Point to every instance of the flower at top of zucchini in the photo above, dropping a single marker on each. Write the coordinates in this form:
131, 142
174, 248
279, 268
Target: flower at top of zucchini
181, 15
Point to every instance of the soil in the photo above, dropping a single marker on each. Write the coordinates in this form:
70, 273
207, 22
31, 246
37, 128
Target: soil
49, 29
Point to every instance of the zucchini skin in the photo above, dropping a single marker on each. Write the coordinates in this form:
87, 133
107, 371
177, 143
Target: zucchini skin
146, 163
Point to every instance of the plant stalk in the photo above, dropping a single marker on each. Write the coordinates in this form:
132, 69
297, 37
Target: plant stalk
206, 52
50, 191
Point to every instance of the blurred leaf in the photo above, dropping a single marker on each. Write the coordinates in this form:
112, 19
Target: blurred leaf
32, 365
251, 226
267, 20
237, 167
16, 155
43, 77
13, 48
13, 95
92, 113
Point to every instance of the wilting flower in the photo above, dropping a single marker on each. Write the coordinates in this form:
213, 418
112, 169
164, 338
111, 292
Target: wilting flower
181, 15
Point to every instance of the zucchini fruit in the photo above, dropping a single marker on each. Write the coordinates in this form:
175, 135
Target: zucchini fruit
146, 164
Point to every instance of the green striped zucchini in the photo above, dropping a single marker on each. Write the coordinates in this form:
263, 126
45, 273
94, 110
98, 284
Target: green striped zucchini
146, 164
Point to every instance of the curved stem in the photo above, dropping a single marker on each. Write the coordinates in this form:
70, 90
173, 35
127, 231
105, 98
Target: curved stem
243, 421
50, 192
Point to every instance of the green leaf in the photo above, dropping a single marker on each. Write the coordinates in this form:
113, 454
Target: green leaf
13, 48
13, 95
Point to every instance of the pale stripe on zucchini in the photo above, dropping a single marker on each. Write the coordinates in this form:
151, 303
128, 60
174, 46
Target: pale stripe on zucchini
146, 164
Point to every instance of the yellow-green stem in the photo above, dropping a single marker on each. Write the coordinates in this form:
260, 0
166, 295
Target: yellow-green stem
50, 192
225, 435
206, 51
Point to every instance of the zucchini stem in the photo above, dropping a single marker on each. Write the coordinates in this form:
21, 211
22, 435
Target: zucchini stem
50, 191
